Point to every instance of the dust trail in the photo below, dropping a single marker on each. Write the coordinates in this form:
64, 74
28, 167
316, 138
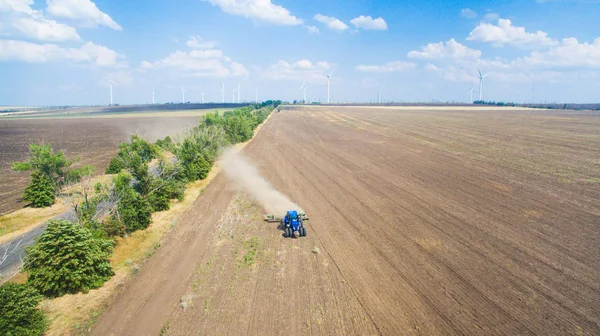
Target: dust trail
240, 171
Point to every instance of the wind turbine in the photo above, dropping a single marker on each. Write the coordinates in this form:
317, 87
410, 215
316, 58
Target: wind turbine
152, 96
328, 78
304, 89
471, 95
233, 96
238, 92
202, 99
223, 92
481, 77
182, 95
110, 87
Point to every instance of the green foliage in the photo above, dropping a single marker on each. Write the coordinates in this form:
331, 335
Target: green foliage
132, 155
50, 172
113, 227
66, 258
199, 150
115, 166
40, 191
133, 211
167, 144
167, 184
19, 314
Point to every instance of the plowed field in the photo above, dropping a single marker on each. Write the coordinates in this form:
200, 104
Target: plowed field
423, 222
95, 140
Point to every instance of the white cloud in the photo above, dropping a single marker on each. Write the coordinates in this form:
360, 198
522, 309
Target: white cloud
468, 13
199, 63
42, 29
23, 6
312, 30
367, 22
302, 70
304, 64
388, 67
259, 10
84, 12
506, 34
451, 49
331, 22
197, 42
89, 53
20, 20
207, 53
567, 54
490, 17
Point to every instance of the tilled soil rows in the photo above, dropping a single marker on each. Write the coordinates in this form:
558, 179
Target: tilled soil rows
427, 222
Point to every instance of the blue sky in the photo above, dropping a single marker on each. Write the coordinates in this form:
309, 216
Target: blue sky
64, 52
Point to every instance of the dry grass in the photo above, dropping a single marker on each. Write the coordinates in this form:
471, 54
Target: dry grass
74, 314
26, 219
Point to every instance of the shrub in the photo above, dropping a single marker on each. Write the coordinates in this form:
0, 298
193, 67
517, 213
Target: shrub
40, 191
66, 258
19, 314
133, 211
50, 171
167, 144
131, 154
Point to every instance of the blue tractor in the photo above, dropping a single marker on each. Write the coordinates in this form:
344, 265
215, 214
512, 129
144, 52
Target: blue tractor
292, 223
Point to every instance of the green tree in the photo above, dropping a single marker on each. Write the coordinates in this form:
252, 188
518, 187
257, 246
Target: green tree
133, 211
40, 192
19, 314
50, 172
66, 258
132, 154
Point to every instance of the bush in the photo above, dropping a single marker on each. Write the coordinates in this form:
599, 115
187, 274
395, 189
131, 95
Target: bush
133, 211
66, 258
19, 314
199, 150
40, 191
131, 154
166, 144
50, 172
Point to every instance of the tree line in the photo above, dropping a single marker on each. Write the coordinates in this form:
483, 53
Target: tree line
72, 256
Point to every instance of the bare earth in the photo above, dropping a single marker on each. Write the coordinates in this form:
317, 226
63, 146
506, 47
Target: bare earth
426, 222
94, 139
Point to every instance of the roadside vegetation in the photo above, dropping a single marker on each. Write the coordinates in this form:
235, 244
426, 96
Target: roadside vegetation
50, 172
75, 255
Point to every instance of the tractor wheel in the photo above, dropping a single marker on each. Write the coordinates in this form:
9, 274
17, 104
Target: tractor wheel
282, 225
287, 234
303, 231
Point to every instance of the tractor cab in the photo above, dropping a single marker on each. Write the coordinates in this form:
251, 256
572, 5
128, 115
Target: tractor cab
292, 220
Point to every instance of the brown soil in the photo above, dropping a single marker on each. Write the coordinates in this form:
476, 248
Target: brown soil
426, 222
95, 140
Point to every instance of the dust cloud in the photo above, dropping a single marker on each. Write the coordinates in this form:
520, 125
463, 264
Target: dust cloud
246, 177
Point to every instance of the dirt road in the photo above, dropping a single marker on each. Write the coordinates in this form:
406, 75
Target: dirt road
422, 222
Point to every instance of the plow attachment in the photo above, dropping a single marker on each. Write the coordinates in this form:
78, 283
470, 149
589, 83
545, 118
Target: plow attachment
276, 219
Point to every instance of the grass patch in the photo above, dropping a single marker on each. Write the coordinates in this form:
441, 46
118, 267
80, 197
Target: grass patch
24, 220
251, 246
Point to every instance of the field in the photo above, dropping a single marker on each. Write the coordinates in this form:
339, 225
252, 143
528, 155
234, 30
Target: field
94, 139
423, 221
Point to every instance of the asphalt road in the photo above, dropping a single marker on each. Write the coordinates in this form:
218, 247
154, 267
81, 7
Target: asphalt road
15, 248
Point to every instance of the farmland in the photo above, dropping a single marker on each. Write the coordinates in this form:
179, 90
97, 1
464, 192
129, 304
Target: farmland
94, 139
423, 221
